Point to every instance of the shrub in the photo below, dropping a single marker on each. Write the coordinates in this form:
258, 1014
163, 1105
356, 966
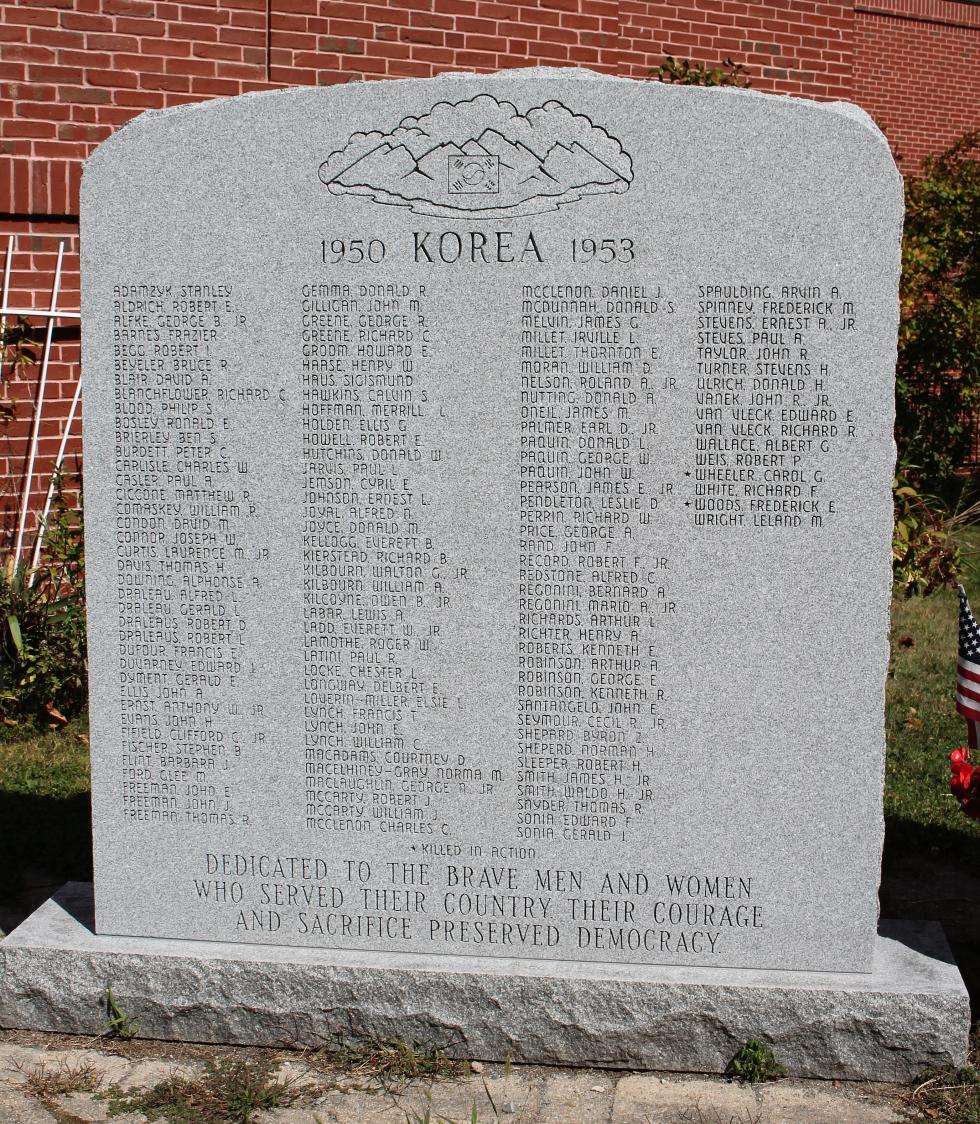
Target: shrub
19, 349
43, 664
938, 373
689, 73
925, 553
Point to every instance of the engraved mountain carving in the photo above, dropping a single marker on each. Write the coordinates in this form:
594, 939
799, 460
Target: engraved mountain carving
482, 159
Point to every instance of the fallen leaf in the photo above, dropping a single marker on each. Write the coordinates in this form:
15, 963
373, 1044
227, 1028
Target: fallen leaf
57, 718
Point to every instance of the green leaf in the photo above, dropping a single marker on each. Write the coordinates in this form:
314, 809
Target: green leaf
15, 635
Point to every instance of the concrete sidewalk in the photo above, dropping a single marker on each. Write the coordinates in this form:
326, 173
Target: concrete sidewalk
37, 1073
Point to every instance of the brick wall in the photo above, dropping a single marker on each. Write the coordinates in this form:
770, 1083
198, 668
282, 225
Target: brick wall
72, 71
917, 72
801, 47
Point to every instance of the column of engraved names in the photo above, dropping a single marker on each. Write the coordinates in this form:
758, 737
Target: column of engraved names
766, 422
591, 599
181, 632
373, 593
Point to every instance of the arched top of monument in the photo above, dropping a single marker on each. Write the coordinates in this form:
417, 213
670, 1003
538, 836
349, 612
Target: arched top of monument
847, 121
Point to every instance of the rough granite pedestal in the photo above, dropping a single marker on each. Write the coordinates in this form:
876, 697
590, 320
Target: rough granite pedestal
909, 1013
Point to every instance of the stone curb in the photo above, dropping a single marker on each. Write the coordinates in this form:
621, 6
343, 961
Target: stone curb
501, 1095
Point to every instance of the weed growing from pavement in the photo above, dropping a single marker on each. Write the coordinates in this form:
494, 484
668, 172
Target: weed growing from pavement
430, 1116
755, 1062
46, 1081
118, 1023
697, 1115
229, 1090
949, 1096
388, 1064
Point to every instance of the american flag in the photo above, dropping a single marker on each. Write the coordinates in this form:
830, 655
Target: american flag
968, 670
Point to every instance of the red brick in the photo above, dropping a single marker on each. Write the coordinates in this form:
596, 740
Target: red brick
248, 19
36, 17
84, 94
25, 52
138, 63
179, 48
14, 128
114, 79
33, 91
217, 51
459, 8
339, 46
391, 50
97, 41
432, 19
215, 87
175, 82
405, 68
493, 11
10, 34
564, 35
240, 35
387, 15
199, 68
356, 29
205, 15
292, 40
100, 59
141, 99
117, 115
127, 25
43, 111
294, 75
76, 132
239, 70
432, 54
196, 33
430, 35
285, 22
129, 7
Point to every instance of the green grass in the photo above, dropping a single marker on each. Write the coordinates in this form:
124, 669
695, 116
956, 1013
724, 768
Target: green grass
48, 763
922, 724
45, 834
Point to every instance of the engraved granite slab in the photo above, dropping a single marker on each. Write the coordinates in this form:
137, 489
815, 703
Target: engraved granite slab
488, 500
911, 1012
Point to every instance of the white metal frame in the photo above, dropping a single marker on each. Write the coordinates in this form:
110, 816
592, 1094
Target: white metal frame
50, 314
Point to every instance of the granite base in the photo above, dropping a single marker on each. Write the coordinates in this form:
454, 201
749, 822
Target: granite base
911, 1012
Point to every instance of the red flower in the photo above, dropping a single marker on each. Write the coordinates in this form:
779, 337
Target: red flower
965, 781
961, 779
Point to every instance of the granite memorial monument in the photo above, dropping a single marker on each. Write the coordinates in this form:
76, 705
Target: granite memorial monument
488, 499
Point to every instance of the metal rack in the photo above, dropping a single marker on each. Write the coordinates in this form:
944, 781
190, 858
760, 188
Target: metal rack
49, 314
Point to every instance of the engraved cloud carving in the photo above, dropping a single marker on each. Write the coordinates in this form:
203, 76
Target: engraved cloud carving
482, 159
